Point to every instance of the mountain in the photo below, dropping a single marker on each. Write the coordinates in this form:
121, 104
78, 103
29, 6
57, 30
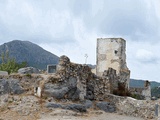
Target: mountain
92, 66
140, 83
155, 86
33, 54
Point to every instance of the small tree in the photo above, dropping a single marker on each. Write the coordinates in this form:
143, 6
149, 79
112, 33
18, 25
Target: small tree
9, 64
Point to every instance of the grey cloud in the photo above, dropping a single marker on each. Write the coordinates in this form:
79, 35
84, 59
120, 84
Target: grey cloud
149, 61
36, 21
125, 18
79, 7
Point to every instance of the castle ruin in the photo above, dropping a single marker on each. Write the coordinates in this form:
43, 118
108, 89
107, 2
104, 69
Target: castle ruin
112, 73
111, 54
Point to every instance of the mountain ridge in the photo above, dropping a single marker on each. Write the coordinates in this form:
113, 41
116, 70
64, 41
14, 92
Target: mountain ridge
30, 52
140, 83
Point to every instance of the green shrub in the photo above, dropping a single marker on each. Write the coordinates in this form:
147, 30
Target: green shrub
137, 96
9, 64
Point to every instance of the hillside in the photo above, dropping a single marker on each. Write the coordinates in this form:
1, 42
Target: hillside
155, 89
140, 83
33, 54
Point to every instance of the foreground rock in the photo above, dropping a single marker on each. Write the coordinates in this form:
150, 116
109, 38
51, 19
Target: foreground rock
106, 106
28, 70
59, 90
74, 107
3, 73
132, 107
10, 86
83, 106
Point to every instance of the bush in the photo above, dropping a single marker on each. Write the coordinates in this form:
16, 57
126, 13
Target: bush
137, 96
9, 64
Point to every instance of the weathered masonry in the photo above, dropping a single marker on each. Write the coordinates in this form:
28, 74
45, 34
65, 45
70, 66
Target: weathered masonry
143, 93
51, 68
111, 54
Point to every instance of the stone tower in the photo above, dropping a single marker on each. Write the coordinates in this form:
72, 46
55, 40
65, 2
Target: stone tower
111, 54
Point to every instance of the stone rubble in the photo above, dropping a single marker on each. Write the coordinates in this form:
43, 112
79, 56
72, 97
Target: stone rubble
132, 107
28, 70
83, 106
10, 86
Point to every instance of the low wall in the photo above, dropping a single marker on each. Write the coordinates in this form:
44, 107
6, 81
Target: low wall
132, 107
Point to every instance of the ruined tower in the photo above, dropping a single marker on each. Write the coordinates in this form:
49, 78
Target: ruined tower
111, 54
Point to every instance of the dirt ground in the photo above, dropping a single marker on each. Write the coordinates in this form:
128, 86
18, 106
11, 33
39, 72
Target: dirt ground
28, 107
92, 115
59, 114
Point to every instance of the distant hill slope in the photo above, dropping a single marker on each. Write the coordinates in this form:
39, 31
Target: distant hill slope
33, 54
140, 83
155, 89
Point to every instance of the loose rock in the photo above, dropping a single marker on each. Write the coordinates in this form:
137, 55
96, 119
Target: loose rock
28, 70
105, 106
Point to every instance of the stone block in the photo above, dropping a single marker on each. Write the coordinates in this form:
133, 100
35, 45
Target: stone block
51, 68
28, 70
3, 73
10, 86
105, 106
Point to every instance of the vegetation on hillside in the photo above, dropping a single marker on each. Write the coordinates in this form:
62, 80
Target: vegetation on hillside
33, 54
155, 89
155, 92
140, 83
9, 64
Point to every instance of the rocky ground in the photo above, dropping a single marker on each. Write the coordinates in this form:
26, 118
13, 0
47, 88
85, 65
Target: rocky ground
62, 99
92, 115
15, 104
29, 107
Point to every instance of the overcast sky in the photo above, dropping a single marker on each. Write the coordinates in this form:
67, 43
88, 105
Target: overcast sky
71, 27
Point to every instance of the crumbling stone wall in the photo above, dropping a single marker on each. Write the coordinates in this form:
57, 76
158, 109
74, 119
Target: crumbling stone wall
81, 73
76, 81
147, 90
105, 84
71, 81
144, 93
132, 107
112, 79
111, 54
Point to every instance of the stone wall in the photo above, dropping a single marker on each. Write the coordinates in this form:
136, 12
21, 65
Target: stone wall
81, 73
132, 107
70, 81
10, 86
111, 54
144, 93
76, 81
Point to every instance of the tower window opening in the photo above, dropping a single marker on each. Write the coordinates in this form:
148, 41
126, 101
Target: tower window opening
115, 51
